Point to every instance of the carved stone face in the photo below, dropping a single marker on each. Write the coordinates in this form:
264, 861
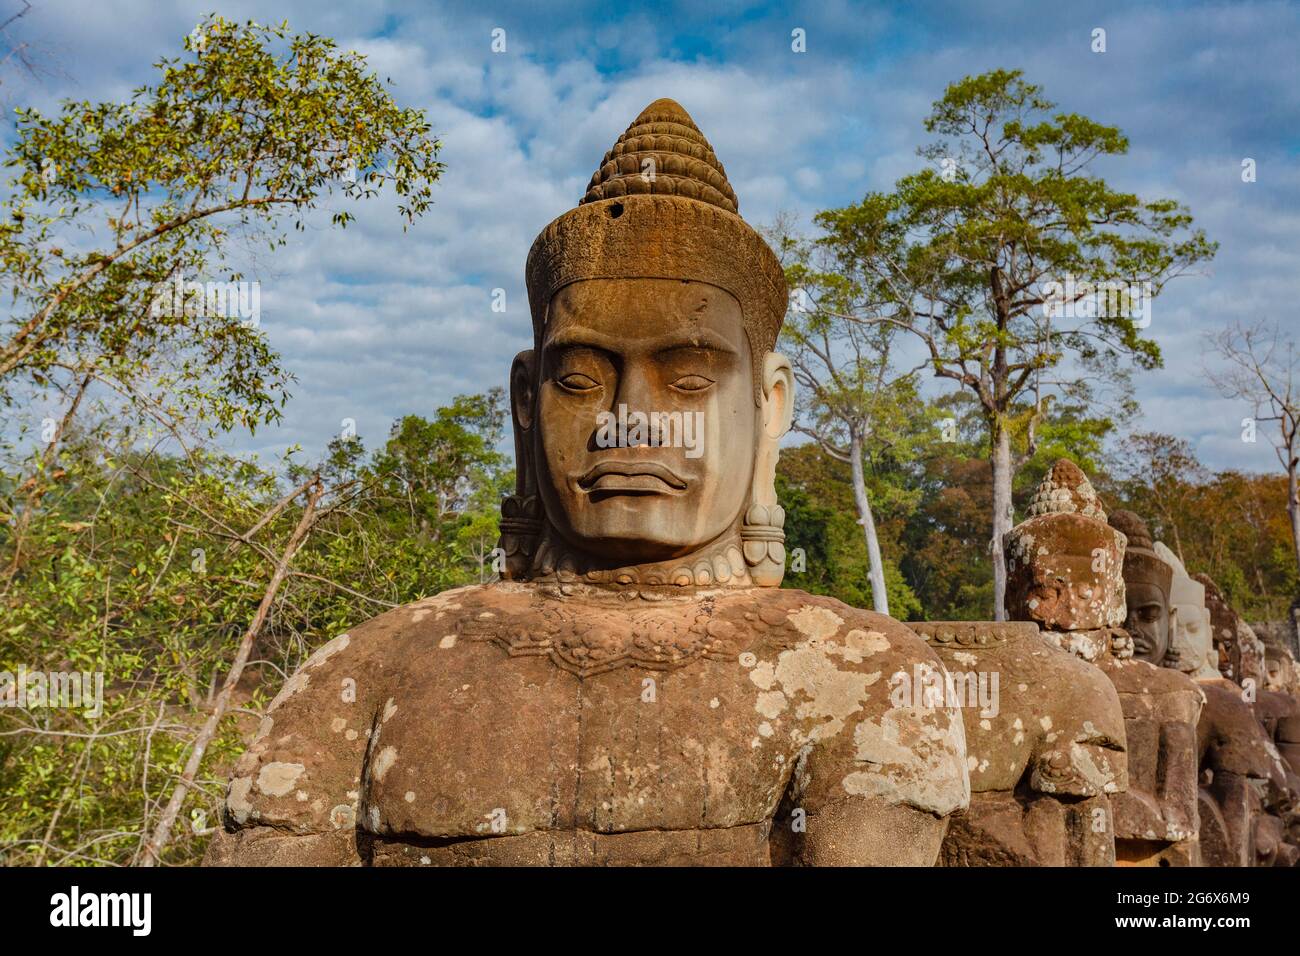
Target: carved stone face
676, 352
1279, 670
1191, 636
1147, 621
1191, 645
1064, 572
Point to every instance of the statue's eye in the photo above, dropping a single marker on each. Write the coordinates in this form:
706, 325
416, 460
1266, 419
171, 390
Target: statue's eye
577, 382
692, 383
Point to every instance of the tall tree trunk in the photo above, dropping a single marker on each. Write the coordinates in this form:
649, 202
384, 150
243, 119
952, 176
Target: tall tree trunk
1293, 511
879, 599
1293, 503
1000, 459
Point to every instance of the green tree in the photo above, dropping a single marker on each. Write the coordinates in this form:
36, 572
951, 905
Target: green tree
829, 554
148, 567
189, 578
432, 468
851, 400
111, 205
994, 258
942, 553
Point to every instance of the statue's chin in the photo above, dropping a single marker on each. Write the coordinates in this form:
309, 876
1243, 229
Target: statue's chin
621, 549
622, 530
1142, 649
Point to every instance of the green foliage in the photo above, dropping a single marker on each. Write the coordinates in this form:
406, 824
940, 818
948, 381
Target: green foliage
1232, 526
109, 202
965, 254
130, 571
817, 494
992, 259
127, 546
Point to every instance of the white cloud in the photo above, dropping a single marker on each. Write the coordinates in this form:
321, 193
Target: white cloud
377, 322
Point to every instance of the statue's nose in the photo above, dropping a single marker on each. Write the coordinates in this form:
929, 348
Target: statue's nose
636, 392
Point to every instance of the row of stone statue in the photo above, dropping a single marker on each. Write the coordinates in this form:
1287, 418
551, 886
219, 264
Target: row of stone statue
639, 689
1155, 663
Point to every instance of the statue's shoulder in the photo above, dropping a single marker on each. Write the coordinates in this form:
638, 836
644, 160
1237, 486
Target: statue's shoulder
1276, 705
1233, 729
828, 667
1227, 706
453, 611
1031, 668
1134, 676
302, 771
1028, 700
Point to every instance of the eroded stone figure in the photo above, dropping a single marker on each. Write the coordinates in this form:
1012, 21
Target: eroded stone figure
1280, 712
1247, 790
1191, 643
1045, 761
1241, 653
1156, 821
1042, 760
639, 690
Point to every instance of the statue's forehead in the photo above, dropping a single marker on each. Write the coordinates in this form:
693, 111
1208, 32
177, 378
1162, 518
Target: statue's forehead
642, 309
1144, 592
1069, 560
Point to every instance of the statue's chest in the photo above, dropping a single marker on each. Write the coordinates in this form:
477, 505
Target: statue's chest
479, 743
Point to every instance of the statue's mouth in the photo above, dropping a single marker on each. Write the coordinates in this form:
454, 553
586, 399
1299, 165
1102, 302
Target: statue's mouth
631, 477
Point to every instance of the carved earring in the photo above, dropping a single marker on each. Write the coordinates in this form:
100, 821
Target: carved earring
762, 533
521, 526
521, 513
762, 537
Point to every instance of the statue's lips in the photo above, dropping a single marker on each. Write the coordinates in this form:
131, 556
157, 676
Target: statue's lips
1141, 644
640, 476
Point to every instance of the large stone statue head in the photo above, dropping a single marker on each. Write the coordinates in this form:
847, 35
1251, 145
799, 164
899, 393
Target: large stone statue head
1148, 579
1241, 653
1064, 562
1191, 645
649, 411
1280, 672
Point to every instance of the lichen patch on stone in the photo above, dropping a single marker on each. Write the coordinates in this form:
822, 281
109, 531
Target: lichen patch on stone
384, 761
276, 778
237, 800
816, 623
913, 755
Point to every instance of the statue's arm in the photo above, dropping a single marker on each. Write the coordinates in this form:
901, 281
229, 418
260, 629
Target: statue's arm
871, 831
295, 795
266, 846
1080, 744
881, 790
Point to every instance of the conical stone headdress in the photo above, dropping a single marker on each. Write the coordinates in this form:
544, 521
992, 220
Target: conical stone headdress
1064, 562
1065, 489
660, 207
1141, 563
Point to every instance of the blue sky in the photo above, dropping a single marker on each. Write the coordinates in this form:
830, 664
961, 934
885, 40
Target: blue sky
377, 323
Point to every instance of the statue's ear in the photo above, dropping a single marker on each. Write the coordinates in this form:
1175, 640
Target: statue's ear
762, 537
521, 513
523, 389
778, 395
